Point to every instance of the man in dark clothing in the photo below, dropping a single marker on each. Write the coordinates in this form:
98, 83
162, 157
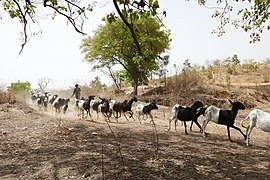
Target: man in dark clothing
77, 93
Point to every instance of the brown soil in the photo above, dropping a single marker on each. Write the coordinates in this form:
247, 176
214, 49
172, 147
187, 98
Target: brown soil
39, 145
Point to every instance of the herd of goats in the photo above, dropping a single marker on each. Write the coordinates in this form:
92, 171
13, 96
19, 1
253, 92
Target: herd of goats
107, 108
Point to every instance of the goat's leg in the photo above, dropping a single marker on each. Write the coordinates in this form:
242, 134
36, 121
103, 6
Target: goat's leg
131, 115
108, 116
125, 116
185, 127
116, 118
229, 136
196, 122
205, 122
248, 134
170, 120
152, 119
119, 113
139, 118
238, 129
190, 128
90, 114
175, 123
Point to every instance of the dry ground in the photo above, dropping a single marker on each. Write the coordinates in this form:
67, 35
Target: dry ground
40, 145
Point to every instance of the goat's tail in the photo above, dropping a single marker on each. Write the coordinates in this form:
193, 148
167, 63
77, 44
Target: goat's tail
249, 116
242, 122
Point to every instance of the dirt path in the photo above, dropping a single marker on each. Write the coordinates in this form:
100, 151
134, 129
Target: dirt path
39, 145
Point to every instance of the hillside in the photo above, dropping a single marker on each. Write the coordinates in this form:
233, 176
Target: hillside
252, 87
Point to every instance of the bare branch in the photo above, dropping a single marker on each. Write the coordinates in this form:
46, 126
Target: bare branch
70, 19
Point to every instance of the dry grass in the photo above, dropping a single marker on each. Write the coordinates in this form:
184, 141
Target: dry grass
7, 97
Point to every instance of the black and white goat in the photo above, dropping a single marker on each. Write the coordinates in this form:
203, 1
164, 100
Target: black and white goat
51, 100
42, 101
200, 111
104, 108
60, 104
34, 97
223, 117
257, 118
185, 113
142, 110
122, 107
94, 104
127, 107
84, 105
117, 108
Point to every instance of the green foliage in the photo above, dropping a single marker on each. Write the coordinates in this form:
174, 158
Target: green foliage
235, 59
231, 64
210, 71
162, 62
186, 66
253, 19
96, 83
20, 87
113, 45
230, 68
123, 77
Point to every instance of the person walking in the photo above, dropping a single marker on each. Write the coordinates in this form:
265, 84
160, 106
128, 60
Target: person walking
77, 93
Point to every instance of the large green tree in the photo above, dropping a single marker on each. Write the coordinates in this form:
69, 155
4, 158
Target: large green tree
112, 44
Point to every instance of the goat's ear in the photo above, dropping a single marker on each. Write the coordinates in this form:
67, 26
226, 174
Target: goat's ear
230, 101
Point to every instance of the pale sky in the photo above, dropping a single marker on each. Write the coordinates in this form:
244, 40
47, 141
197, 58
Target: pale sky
55, 53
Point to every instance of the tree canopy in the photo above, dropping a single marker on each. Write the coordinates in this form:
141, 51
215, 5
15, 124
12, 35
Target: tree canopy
113, 45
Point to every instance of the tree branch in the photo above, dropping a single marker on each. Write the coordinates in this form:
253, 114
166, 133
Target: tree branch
130, 28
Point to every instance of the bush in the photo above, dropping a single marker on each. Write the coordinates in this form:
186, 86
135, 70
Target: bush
251, 65
7, 97
210, 72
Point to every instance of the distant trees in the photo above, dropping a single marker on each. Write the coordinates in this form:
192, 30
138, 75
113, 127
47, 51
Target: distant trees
96, 83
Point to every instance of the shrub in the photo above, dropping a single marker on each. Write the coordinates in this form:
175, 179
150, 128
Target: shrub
7, 97
251, 65
210, 72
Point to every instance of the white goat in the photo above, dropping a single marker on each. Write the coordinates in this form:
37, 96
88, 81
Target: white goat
257, 118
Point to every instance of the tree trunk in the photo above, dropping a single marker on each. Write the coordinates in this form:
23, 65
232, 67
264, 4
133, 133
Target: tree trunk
135, 88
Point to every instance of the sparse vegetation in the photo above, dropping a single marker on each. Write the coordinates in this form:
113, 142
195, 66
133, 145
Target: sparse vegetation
7, 97
210, 72
250, 65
